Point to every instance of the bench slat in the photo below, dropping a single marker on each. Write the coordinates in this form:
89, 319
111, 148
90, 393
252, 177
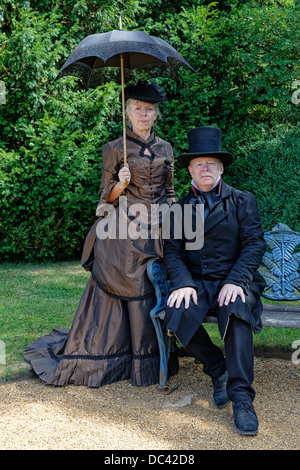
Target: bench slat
270, 318
276, 316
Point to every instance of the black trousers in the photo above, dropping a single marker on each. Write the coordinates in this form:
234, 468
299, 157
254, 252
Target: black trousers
238, 361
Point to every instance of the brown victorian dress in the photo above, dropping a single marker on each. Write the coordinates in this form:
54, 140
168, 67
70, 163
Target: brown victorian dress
112, 336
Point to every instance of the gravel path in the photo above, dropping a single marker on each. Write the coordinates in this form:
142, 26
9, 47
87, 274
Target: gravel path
122, 417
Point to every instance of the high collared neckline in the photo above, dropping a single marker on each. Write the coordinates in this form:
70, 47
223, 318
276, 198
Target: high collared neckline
130, 133
226, 190
144, 144
216, 189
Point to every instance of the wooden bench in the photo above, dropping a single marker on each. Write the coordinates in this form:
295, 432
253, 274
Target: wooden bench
280, 268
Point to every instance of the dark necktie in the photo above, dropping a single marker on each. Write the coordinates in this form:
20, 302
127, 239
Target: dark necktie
210, 200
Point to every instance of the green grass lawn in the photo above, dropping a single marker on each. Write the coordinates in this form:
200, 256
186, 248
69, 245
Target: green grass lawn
34, 298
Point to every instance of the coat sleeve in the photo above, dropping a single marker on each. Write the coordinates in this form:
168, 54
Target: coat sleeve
252, 242
110, 169
169, 183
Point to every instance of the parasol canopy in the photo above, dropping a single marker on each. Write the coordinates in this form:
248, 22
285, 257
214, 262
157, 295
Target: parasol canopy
96, 59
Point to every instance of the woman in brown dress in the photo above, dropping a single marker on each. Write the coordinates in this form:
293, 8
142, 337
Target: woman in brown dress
112, 336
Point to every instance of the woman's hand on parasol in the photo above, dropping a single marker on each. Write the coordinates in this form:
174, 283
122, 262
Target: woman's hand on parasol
124, 179
124, 176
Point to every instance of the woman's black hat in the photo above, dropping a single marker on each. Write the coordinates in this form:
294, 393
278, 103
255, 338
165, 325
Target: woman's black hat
143, 91
205, 142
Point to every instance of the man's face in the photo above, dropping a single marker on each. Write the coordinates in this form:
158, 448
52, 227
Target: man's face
206, 171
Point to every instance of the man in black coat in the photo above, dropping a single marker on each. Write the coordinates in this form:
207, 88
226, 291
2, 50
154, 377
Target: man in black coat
221, 277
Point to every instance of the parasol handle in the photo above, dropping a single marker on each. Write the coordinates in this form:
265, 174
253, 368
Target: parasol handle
123, 100
123, 109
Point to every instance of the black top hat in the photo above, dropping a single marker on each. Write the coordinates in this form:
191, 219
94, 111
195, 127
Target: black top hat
205, 142
143, 91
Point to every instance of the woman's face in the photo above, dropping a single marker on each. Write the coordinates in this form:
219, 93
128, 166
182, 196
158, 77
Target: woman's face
142, 116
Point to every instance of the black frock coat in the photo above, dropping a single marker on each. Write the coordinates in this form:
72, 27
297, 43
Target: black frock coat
232, 252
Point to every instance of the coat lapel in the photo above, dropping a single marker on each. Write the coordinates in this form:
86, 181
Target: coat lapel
219, 213
214, 218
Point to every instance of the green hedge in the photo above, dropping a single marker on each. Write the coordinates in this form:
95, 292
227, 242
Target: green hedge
50, 188
270, 169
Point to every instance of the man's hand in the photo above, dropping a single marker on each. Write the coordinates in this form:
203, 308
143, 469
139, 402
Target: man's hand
229, 293
184, 293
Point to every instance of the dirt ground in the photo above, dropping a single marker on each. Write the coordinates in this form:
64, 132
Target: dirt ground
36, 416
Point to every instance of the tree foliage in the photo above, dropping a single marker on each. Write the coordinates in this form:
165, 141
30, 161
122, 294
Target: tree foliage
246, 57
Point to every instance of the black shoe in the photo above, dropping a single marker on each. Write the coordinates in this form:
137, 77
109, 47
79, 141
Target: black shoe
245, 419
221, 398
